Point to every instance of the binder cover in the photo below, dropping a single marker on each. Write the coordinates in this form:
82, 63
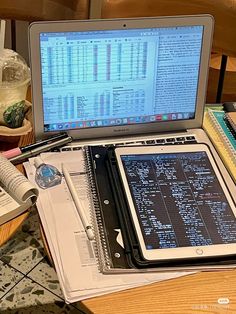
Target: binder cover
112, 215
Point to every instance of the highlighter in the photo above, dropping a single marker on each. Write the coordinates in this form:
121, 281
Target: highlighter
38, 150
20, 150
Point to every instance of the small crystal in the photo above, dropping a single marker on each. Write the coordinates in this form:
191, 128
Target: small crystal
46, 175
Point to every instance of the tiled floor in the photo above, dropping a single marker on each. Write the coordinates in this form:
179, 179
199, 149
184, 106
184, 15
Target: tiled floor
28, 283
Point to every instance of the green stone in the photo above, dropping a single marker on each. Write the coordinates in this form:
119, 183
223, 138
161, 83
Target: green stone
14, 115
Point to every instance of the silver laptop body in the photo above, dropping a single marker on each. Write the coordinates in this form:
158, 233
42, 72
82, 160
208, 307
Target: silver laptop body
122, 81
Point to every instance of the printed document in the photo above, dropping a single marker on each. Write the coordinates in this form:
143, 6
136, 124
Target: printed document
73, 254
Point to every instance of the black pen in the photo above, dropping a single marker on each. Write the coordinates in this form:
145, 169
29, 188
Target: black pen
20, 150
43, 148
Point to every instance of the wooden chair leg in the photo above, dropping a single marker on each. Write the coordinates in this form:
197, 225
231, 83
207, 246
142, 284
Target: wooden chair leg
13, 35
221, 78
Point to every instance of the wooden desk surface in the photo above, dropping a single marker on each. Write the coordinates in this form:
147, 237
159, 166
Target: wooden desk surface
204, 292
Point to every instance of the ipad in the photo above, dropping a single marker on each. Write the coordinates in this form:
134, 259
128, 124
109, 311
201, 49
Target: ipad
178, 201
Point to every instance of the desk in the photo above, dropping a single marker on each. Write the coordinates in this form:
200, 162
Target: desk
196, 293
204, 292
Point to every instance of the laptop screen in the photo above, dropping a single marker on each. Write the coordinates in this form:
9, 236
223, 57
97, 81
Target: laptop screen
130, 76
117, 77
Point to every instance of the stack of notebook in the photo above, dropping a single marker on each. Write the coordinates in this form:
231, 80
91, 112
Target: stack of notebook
220, 130
231, 119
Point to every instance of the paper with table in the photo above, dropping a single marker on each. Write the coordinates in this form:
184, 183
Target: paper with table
74, 256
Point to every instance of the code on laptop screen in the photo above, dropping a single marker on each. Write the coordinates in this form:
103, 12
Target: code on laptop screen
119, 77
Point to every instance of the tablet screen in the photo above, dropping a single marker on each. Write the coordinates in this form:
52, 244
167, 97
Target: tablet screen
177, 200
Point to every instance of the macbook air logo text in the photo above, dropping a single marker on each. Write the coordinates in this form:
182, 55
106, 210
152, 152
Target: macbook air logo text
121, 130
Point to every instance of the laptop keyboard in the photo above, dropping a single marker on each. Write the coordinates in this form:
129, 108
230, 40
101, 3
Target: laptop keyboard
177, 140
164, 141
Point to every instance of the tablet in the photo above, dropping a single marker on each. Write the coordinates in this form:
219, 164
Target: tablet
178, 201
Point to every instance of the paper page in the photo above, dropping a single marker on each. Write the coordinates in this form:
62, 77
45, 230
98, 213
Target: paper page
7, 203
73, 254
16, 183
71, 296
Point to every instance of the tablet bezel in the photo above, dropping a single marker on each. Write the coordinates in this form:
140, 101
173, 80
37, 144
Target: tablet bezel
179, 252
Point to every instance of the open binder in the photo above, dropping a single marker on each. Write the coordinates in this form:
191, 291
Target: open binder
118, 248
89, 268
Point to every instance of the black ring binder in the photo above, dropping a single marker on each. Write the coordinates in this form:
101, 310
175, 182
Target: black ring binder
105, 184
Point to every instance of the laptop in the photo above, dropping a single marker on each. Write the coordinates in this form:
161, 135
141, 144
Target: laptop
122, 81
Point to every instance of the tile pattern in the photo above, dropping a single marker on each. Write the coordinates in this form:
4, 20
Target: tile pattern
45, 275
28, 283
29, 297
25, 249
9, 277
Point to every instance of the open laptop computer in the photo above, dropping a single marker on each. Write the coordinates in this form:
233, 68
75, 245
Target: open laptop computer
122, 81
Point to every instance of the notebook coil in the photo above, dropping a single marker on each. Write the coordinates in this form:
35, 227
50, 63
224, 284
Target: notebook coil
95, 215
225, 140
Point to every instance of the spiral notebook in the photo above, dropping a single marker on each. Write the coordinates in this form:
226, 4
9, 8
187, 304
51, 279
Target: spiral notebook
93, 171
222, 137
116, 238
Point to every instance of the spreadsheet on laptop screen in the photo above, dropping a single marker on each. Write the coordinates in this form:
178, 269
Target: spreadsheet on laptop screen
92, 79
